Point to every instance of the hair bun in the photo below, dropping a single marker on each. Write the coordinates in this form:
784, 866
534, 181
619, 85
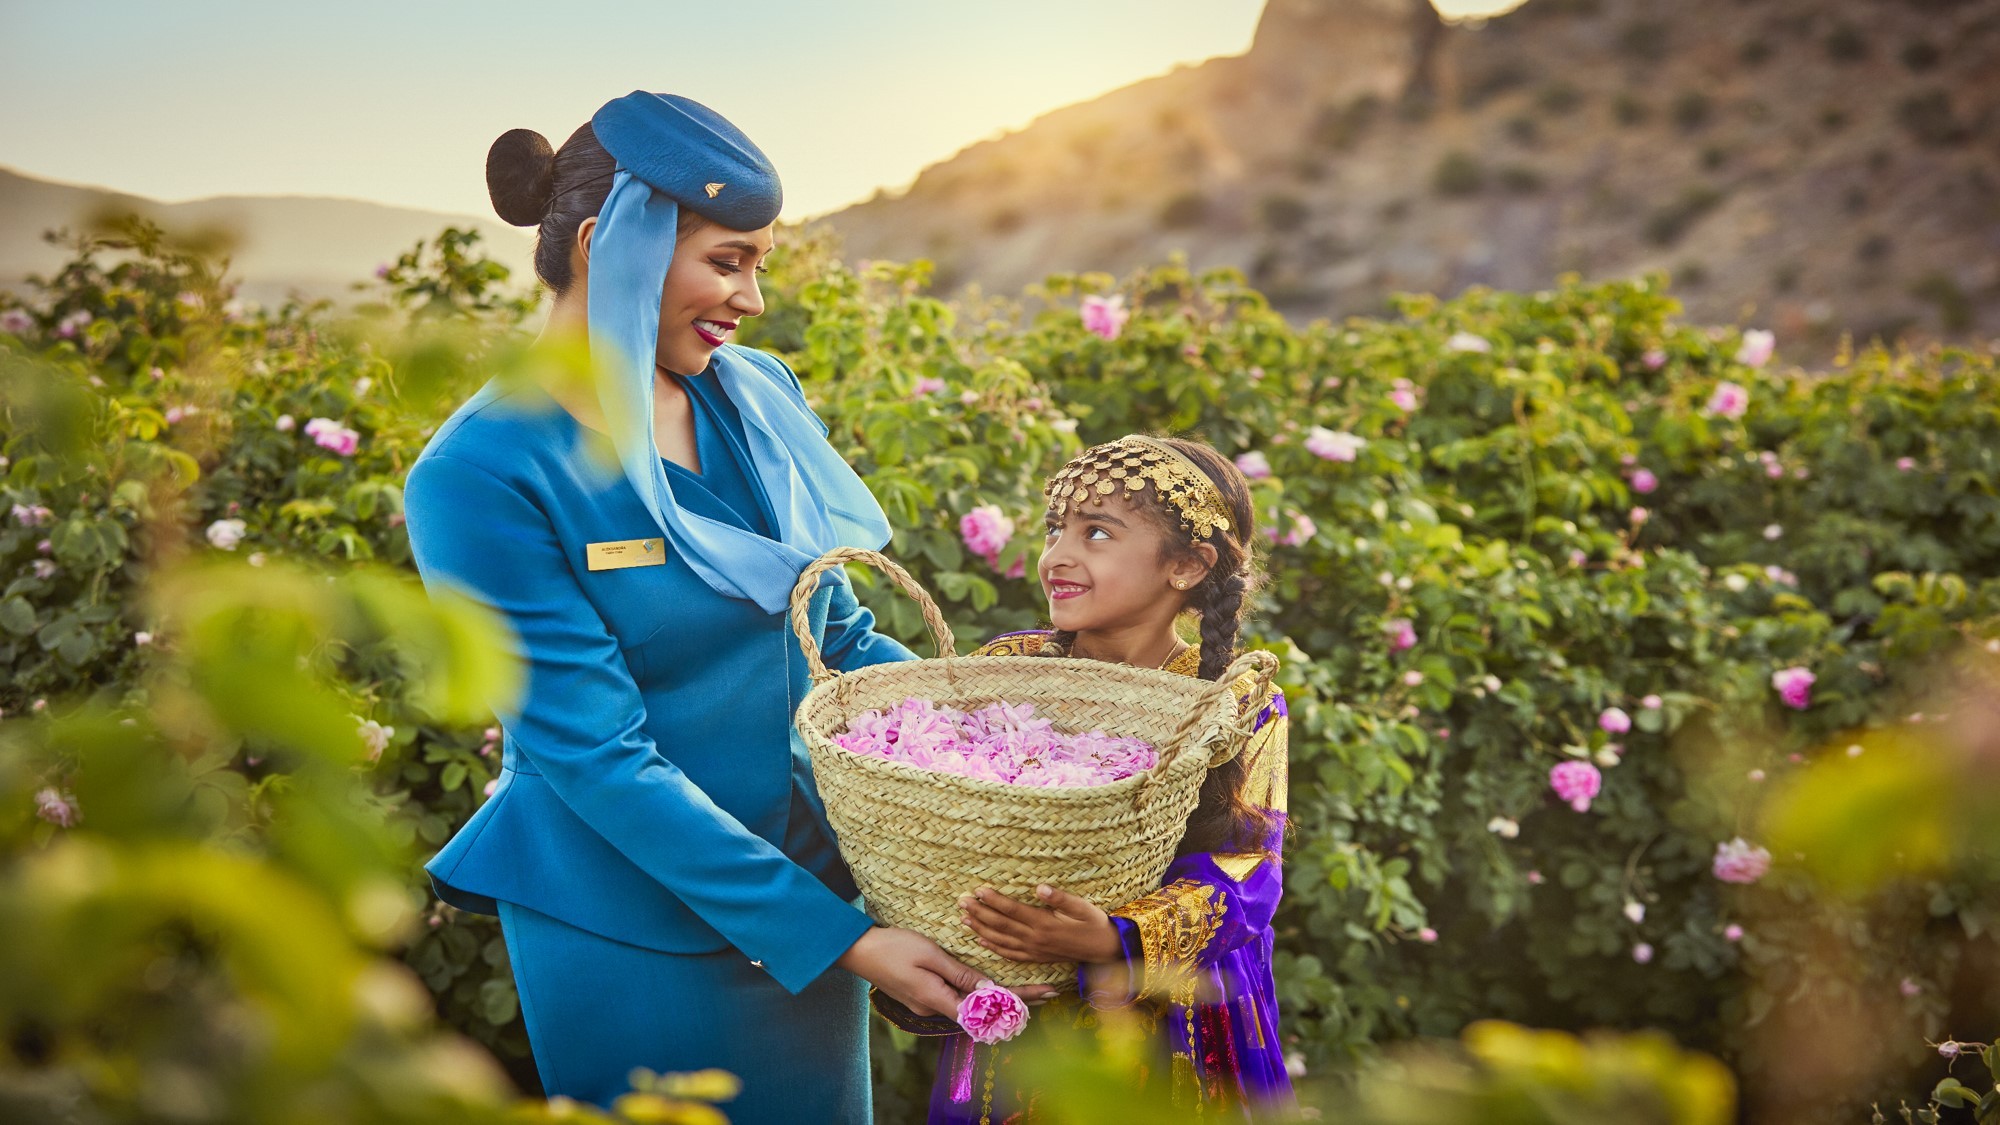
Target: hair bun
520, 176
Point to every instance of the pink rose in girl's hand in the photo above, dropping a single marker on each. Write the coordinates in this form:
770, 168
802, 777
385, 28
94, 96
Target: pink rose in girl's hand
991, 1014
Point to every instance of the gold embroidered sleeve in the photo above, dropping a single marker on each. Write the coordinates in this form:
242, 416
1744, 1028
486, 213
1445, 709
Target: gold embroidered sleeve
1267, 756
1175, 925
1013, 644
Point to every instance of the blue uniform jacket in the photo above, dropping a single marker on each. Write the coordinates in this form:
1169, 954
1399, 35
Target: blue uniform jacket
651, 782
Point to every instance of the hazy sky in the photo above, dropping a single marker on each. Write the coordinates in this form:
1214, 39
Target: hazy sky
397, 101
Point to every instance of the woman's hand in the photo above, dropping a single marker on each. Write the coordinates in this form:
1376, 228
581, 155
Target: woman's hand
915, 972
1063, 928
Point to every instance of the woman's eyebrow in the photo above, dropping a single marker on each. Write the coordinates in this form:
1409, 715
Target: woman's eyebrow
739, 244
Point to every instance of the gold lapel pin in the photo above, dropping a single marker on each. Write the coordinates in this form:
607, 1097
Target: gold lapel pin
713, 190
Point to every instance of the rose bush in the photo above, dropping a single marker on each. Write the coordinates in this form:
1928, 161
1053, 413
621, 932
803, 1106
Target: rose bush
1520, 705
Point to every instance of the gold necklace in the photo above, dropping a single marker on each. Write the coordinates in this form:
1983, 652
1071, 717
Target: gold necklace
1179, 646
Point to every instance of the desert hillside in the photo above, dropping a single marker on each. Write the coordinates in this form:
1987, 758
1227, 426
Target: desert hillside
1815, 166
282, 244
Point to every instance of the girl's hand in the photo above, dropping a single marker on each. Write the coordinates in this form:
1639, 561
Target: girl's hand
1063, 928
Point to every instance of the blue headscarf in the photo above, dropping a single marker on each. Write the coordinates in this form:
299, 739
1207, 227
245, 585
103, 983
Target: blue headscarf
673, 153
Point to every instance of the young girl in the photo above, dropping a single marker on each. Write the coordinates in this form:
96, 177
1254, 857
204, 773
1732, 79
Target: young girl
1140, 531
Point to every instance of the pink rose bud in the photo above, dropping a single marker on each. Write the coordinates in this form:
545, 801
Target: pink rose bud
1644, 482
1614, 721
1651, 703
1739, 861
1253, 465
1732, 932
1639, 516
1412, 678
991, 1014
1402, 635
1427, 935
1642, 953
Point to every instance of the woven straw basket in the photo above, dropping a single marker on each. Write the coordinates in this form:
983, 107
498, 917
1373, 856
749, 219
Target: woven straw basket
917, 840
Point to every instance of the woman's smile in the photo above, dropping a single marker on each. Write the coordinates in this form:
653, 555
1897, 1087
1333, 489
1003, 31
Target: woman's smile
714, 333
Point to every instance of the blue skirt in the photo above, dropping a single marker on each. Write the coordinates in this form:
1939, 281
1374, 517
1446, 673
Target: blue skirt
596, 1008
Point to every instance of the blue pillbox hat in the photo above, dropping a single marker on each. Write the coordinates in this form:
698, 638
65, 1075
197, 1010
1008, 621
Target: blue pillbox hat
689, 152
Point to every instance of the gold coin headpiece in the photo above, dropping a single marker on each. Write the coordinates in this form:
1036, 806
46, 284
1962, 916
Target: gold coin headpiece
1130, 464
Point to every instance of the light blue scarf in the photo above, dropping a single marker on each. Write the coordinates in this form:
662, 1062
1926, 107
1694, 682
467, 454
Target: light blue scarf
818, 500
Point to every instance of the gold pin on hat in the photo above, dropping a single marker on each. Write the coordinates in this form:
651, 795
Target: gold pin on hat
713, 190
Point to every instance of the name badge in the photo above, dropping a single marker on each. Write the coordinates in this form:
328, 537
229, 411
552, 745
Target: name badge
626, 553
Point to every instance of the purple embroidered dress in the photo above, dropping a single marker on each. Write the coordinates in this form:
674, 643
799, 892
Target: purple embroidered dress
1198, 954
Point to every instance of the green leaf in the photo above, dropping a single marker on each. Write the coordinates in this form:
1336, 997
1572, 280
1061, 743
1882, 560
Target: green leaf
17, 616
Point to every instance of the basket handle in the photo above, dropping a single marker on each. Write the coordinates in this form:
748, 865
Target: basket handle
1265, 666
840, 556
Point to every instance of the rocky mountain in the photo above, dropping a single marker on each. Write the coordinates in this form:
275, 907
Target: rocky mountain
316, 247
1818, 166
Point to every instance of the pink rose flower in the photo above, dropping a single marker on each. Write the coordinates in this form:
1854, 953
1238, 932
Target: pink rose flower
928, 385
1402, 635
1910, 988
1738, 861
1905, 464
1652, 703
986, 530
1654, 359
16, 321
1576, 782
1642, 953
1730, 400
1105, 316
56, 807
1404, 395
1253, 465
1638, 516
1756, 348
1732, 932
1329, 445
991, 1014
1427, 935
1644, 482
1614, 720
1794, 687
1413, 678
286, 423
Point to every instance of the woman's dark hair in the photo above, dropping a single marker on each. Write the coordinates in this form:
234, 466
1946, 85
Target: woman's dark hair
555, 190
1225, 819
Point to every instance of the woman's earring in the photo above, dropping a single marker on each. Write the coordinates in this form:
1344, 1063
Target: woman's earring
1180, 583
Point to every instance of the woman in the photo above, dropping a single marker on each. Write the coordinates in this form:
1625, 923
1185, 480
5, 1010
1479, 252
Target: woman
668, 890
